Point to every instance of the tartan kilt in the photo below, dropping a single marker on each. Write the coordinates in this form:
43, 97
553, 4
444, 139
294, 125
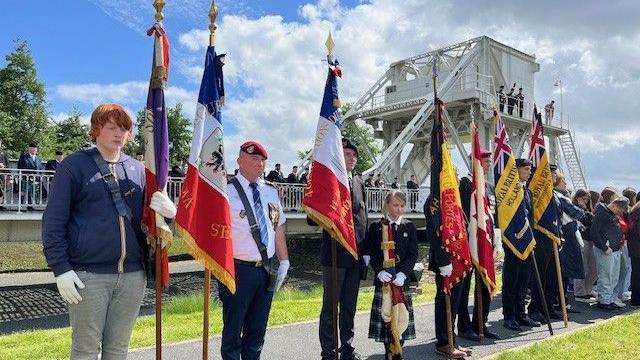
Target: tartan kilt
377, 330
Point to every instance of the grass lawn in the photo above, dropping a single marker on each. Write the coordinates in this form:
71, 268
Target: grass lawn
28, 256
615, 339
182, 320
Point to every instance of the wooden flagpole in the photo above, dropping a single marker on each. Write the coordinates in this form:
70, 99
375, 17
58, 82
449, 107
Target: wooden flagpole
334, 257
158, 5
543, 299
563, 306
447, 300
213, 14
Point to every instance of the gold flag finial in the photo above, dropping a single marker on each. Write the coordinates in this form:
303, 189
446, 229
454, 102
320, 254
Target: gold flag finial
213, 14
159, 4
330, 44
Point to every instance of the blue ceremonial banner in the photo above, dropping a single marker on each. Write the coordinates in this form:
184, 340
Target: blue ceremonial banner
545, 217
510, 206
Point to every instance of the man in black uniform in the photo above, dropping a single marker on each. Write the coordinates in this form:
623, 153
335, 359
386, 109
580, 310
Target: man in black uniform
53, 164
502, 98
467, 328
440, 264
275, 175
511, 100
520, 100
293, 177
413, 186
515, 272
350, 270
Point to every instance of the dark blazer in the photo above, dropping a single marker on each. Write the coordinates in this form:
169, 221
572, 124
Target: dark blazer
633, 236
176, 171
406, 240
359, 212
275, 176
26, 162
292, 178
51, 165
438, 257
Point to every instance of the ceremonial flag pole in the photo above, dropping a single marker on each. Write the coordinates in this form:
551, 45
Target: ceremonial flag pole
203, 220
156, 137
446, 197
327, 198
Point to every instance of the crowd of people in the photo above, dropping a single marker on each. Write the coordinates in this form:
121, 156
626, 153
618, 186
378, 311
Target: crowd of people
101, 273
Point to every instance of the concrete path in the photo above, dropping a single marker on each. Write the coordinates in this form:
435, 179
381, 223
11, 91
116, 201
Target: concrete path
300, 341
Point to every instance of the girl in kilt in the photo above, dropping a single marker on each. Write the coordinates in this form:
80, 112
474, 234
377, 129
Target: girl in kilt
394, 251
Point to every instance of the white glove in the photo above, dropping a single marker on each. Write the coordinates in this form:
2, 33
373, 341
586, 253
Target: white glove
161, 204
67, 287
384, 276
282, 274
446, 270
367, 259
400, 278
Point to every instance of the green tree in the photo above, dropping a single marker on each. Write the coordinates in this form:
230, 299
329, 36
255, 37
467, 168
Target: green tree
179, 134
71, 134
362, 135
23, 114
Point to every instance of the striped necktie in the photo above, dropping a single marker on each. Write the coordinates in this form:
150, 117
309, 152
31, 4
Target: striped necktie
262, 222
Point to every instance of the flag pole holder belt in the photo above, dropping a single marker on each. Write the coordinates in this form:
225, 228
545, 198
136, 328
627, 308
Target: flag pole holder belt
248, 263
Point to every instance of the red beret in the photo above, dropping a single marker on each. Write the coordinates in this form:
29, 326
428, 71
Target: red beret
254, 147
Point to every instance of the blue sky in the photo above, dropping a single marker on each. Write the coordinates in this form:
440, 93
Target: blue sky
88, 52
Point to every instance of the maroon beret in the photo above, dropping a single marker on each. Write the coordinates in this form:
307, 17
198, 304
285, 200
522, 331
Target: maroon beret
254, 147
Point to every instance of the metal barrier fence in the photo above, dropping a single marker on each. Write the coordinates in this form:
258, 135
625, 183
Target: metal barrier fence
26, 190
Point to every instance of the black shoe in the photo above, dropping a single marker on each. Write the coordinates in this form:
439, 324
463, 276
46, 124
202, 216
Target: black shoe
526, 321
538, 317
352, 356
469, 335
491, 335
571, 310
511, 325
611, 306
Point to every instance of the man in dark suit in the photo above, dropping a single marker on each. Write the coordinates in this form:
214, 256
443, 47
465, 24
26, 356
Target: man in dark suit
275, 175
502, 98
53, 164
350, 270
30, 164
305, 175
293, 177
178, 169
468, 328
413, 187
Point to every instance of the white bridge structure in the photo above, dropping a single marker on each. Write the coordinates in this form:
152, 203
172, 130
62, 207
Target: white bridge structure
399, 106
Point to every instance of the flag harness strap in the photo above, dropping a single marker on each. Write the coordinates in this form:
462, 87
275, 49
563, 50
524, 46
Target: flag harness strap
255, 230
112, 183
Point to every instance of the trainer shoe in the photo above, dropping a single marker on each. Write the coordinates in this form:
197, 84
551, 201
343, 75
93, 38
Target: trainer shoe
619, 303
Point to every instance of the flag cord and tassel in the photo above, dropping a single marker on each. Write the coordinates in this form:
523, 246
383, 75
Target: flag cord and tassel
543, 299
563, 306
213, 14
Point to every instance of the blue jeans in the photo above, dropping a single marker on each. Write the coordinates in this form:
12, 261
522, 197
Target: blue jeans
245, 313
106, 315
608, 274
625, 273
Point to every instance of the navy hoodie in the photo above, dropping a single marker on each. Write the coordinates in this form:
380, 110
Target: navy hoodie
81, 226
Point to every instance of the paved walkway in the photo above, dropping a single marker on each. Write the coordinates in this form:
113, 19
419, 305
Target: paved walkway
300, 341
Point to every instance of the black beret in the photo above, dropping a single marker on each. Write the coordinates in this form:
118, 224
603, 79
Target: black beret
349, 144
33, 145
59, 152
553, 167
523, 162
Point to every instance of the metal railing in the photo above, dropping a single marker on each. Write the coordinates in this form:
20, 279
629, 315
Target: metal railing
22, 190
28, 190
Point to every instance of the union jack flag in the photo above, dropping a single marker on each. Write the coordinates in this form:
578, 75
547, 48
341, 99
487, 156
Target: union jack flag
537, 148
502, 151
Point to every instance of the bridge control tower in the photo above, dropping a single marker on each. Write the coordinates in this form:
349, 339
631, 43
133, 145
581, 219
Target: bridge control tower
399, 106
